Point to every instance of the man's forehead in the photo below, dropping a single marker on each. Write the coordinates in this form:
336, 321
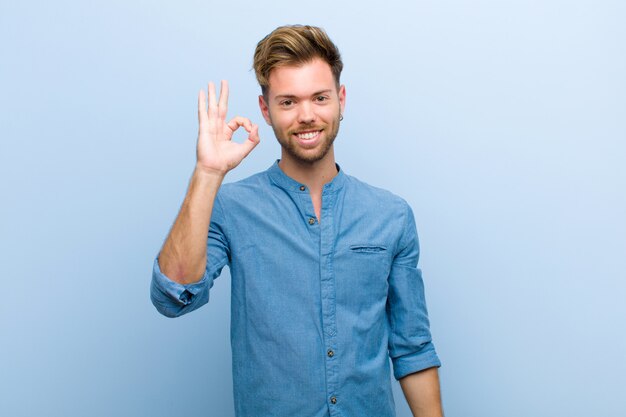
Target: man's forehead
301, 80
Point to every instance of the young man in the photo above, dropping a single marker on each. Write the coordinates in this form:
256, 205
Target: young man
325, 284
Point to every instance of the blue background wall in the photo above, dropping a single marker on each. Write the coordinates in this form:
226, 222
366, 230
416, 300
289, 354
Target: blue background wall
501, 122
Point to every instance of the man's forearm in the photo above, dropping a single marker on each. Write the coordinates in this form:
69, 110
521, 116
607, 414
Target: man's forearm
183, 256
422, 393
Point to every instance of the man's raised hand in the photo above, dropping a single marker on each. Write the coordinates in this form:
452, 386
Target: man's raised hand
216, 152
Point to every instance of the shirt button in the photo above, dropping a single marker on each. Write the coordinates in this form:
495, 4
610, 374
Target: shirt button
302, 188
333, 400
311, 220
330, 353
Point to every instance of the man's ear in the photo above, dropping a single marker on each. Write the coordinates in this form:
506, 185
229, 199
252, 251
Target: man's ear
265, 110
342, 98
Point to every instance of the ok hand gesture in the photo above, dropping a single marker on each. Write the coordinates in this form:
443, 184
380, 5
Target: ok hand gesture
216, 152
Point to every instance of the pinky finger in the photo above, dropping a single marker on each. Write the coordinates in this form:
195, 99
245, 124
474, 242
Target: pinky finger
202, 115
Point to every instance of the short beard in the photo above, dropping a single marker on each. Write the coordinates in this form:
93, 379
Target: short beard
290, 148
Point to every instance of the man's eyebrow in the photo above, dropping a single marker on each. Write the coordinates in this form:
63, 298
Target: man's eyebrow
292, 96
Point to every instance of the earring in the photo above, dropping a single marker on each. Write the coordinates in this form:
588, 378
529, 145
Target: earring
340, 117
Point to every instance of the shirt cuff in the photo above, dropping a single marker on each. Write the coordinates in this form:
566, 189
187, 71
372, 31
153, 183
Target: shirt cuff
425, 358
181, 294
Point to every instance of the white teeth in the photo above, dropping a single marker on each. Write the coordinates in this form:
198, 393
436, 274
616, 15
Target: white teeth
309, 135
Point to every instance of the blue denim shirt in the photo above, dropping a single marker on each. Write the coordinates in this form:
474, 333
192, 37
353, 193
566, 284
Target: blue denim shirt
317, 308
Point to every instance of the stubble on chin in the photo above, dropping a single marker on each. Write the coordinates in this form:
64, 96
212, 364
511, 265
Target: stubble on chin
289, 145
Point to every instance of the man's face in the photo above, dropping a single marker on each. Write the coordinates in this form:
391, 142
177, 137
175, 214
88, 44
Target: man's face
303, 107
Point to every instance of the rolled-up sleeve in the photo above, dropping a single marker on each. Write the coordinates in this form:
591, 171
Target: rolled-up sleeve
410, 343
173, 299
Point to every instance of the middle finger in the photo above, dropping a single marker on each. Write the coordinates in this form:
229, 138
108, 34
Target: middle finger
223, 105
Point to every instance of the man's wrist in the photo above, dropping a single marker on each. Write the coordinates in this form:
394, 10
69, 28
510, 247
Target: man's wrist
209, 174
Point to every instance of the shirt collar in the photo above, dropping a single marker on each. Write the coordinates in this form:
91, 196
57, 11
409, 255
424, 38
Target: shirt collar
287, 183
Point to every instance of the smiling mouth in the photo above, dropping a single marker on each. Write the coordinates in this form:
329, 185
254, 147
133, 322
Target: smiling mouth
308, 134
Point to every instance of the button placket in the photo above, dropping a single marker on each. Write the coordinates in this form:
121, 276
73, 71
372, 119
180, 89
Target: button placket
327, 282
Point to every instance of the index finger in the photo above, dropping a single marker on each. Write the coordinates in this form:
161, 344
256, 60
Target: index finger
238, 121
223, 104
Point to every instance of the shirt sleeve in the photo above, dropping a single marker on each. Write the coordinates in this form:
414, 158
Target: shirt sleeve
410, 344
173, 299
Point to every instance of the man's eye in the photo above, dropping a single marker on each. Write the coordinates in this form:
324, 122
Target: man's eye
287, 103
321, 98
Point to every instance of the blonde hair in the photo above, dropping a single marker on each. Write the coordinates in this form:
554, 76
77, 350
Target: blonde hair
294, 45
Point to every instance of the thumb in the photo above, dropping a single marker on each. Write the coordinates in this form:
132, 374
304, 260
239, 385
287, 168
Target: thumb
252, 141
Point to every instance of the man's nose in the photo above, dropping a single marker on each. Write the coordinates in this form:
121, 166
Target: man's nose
306, 113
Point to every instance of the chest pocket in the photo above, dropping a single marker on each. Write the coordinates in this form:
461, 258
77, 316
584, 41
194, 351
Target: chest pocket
361, 273
368, 249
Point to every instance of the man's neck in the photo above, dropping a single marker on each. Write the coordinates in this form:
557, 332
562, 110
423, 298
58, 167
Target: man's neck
314, 175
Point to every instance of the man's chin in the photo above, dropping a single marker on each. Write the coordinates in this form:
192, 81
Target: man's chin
306, 156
